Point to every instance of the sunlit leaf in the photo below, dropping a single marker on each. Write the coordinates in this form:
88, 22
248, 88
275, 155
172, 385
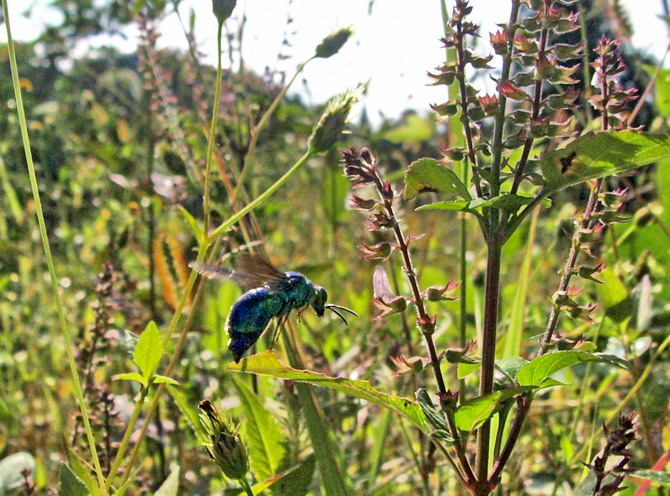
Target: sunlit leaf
264, 437
70, 484
149, 350
170, 487
428, 174
472, 414
600, 154
266, 363
538, 370
654, 476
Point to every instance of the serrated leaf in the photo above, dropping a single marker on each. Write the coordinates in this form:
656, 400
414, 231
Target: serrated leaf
161, 379
70, 484
510, 366
538, 370
654, 476
297, 480
506, 202
600, 154
436, 417
428, 174
472, 414
266, 363
129, 376
149, 351
264, 437
170, 487
460, 205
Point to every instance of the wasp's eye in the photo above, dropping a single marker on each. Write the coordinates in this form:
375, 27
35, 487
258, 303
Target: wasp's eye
320, 299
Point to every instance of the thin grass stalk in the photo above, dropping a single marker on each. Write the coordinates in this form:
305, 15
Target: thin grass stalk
212, 130
47, 248
256, 130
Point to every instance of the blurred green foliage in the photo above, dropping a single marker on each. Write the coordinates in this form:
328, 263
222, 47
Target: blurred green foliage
120, 141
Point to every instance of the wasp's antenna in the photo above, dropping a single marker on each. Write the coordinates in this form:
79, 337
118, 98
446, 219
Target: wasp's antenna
334, 308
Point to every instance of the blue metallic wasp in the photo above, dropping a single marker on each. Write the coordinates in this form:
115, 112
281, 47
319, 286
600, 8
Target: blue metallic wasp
269, 293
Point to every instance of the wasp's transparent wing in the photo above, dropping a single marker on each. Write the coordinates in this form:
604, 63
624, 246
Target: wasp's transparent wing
249, 271
211, 271
254, 271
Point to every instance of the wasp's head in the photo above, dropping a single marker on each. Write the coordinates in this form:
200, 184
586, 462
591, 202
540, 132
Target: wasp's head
319, 301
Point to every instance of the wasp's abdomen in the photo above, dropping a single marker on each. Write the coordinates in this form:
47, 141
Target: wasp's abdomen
249, 317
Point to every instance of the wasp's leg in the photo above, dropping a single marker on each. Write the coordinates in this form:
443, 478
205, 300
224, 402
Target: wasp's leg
300, 311
281, 321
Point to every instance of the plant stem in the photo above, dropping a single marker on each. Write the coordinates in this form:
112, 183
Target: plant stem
263, 196
488, 347
496, 147
47, 248
427, 329
212, 131
245, 485
130, 428
535, 113
256, 130
460, 76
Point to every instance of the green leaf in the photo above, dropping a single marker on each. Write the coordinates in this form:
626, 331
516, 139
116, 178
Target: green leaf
654, 476
465, 369
334, 478
259, 487
507, 202
510, 366
266, 363
161, 379
193, 224
472, 414
460, 205
264, 437
428, 174
537, 371
297, 480
70, 484
129, 376
435, 417
662, 92
414, 130
186, 408
600, 154
170, 487
614, 296
11, 467
149, 351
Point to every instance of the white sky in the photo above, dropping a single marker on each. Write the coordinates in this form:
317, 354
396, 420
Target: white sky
393, 47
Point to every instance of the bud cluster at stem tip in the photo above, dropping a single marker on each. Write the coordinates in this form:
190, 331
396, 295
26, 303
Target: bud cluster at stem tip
226, 447
223, 9
329, 128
